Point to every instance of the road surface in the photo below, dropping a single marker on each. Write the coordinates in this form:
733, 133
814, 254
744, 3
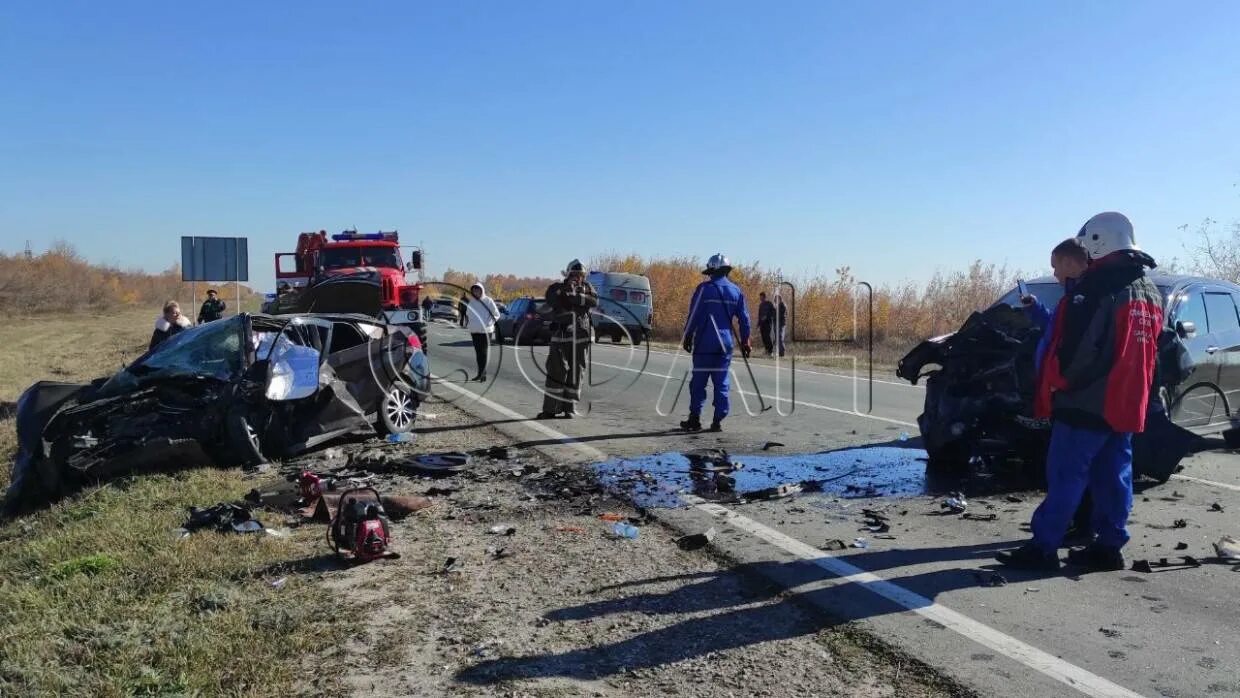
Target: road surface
922, 587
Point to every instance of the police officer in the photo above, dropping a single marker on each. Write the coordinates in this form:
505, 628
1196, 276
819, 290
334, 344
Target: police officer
570, 302
708, 336
212, 308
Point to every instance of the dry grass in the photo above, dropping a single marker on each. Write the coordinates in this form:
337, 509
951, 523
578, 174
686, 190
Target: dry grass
829, 308
98, 597
60, 280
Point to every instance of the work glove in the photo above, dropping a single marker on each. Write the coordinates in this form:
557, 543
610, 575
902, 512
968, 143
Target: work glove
688, 344
745, 349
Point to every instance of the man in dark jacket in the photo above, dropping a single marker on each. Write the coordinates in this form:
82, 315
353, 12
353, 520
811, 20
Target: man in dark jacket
781, 322
212, 308
766, 322
708, 336
1095, 383
569, 302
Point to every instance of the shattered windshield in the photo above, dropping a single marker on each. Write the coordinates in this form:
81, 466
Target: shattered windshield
212, 350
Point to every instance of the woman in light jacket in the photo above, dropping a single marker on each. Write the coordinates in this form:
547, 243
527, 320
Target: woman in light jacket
480, 317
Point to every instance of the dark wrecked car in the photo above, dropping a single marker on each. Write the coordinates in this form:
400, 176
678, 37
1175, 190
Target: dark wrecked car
980, 379
233, 391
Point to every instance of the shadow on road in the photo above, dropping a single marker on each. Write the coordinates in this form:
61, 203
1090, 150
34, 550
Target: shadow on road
747, 606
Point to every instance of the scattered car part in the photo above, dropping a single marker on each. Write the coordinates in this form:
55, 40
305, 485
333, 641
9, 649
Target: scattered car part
956, 503
990, 579
438, 463
697, 540
1163, 564
834, 544
1228, 549
971, 516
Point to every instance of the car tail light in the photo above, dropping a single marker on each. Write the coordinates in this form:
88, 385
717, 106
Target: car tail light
414, 342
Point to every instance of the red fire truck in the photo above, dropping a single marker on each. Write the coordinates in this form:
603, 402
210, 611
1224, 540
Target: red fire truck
366, 260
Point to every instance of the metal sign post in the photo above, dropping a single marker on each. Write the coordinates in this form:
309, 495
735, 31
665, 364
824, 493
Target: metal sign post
215, 259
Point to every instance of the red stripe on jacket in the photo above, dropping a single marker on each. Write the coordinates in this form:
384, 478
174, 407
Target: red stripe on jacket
1049, 378
1137, 325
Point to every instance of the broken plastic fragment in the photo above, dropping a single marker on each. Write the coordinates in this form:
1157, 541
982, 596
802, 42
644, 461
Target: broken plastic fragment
1228, 548
860, 543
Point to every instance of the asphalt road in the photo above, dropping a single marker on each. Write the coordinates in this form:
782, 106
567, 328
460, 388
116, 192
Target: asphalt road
1170, 633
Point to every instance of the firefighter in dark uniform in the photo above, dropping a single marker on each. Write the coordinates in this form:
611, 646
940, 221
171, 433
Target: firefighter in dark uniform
212, 308
569, 302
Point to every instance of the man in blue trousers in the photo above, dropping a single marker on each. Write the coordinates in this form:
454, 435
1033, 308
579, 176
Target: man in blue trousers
708, 336
1094, 381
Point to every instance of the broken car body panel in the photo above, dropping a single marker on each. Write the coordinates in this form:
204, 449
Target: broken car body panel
229, 391
979, 395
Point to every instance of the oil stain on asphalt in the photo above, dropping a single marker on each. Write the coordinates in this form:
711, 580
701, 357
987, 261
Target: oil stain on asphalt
662, 480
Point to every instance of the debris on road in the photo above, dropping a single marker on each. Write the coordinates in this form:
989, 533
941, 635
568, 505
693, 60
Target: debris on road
860, 543
990, 579
1181, 546
971, 516
1014, 499
1216, 507
1180, 523
835, 544
1228, 549
697, 540
1109, 632
777, 492
956, 503
771, 444
624, 530
1163, 564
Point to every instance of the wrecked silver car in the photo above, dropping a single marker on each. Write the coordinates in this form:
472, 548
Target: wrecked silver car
980, 385
233, 391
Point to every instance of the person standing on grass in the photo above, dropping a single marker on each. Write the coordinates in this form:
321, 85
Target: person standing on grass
480, 321
766, 322
708, 337
1095, 383
781, 320
212, 308
172, 322
570, 302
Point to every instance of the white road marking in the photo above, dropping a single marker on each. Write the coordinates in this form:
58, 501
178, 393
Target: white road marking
786, 365
1211, 483
1065, 672
742, 391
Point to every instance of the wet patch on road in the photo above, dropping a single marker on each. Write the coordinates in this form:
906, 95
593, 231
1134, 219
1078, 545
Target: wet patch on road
662, 479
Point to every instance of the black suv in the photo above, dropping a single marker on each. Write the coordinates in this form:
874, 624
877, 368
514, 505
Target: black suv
979, 398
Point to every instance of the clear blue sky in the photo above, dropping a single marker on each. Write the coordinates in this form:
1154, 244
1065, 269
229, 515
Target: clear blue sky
894, 137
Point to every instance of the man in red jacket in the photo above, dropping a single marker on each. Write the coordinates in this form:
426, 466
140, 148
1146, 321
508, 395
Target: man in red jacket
1095, 384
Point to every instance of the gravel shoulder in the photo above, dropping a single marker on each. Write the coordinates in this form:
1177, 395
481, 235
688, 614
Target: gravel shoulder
566, 608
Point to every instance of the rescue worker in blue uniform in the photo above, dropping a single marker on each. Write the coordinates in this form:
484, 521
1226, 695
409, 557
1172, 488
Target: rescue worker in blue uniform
708, 336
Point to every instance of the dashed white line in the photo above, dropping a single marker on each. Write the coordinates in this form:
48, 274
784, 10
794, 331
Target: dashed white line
1065, 672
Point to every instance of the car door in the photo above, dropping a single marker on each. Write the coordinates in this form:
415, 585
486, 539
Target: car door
1225, 330
1195, 402
352, 355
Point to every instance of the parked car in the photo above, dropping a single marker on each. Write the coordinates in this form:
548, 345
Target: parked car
625, 306
234, 391
523, 322
445, 309
979, 391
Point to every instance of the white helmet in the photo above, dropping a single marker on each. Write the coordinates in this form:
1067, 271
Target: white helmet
1106, 233
574, 266
718, 262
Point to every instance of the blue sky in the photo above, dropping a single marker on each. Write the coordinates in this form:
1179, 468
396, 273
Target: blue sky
896, 137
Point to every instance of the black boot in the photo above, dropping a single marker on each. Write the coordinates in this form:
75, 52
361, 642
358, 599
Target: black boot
716, 425
1097, 558
1029, 557
693, 423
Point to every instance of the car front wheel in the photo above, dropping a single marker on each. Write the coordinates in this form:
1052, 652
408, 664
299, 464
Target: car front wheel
243, 438
398, 411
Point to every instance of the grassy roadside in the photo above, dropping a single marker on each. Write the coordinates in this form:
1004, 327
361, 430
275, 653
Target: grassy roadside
98, 597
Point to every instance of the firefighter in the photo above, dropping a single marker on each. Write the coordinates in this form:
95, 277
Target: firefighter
212, 308
570, 302
1095, 383
708, 336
